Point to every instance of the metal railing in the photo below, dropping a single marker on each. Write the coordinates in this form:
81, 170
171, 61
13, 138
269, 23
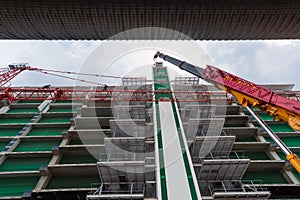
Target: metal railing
120, 189
235, 186
121, 157
213, 155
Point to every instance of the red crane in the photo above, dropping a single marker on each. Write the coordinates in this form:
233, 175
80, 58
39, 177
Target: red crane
247, 93
250, 94
9, 73
103, 94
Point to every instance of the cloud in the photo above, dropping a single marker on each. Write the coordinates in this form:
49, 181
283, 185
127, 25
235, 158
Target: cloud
273, 61
262, 62
58, 55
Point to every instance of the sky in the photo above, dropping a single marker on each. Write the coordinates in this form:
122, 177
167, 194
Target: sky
262, 62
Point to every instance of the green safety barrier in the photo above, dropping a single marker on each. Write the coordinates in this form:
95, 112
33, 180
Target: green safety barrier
9, 131
75, 181
10, 120
41, 145
288, 141
268, 177
251, 155
15, 186
61, 110
55, 120
23, 110
76, 159
48, 131
23, 163
246, 139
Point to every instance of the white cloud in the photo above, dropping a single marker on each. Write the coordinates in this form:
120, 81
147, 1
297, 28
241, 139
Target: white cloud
280, 43
59, 55
275, 61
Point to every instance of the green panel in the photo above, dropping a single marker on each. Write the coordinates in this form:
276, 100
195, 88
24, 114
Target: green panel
9, 131
23, 110
234, 125
55, 120
282, 155
68, 102
63, 110
246, 139
266, 117
15, 186
161, 78
46, 131
288, 141
159, 71
253, 108
284, 196
9, 120
23, 164
268, 177
80, 142
63, 101
76, 159
42, 145
296, 174
250, 155
3, 144
76, 181
257, 155
279, 127
75, 142
30, 101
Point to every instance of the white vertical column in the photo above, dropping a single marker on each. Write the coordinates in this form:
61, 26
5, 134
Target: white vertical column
176, 176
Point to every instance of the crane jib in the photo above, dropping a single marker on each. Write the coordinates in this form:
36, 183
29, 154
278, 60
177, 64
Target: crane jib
246, 92
215, 75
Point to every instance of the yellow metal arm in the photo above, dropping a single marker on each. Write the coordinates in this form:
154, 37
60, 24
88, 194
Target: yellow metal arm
278, 113
294, 160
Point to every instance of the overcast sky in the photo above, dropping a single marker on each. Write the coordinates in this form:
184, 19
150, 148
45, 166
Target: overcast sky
258, 61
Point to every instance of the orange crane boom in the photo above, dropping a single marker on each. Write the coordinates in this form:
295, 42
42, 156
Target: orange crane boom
249, 94
246, 92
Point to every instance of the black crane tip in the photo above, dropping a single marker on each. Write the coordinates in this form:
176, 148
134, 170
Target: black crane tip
156, 55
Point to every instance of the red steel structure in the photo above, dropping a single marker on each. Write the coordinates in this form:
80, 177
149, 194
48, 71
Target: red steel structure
16, 93
250, 94
111, 94
247, 93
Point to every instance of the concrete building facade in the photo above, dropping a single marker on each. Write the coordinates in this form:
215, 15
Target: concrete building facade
190, 142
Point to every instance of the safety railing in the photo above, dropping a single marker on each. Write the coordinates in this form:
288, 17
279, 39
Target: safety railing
121, 157
120, 189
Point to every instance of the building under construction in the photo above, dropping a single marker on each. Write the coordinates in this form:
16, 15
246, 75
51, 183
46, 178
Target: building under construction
159, 139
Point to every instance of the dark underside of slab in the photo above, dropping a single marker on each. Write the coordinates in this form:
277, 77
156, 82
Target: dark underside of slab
176, 19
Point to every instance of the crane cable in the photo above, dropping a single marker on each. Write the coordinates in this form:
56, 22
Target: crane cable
76, 79
46, 71
76, 73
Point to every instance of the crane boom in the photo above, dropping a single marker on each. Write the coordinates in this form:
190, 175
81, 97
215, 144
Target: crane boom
246, 92
13, 71
250, 94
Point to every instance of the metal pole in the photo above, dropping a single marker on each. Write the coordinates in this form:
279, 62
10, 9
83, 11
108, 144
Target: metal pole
272, 135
